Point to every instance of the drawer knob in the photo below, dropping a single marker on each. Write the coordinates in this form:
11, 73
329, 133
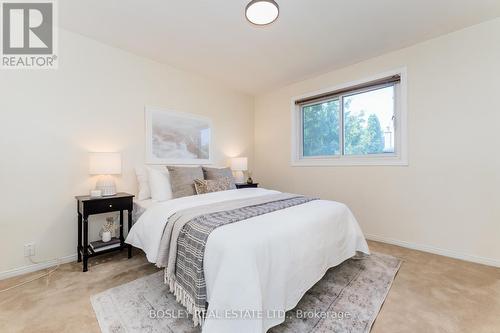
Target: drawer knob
110, 206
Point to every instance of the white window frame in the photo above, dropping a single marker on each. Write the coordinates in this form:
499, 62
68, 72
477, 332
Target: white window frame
400, 155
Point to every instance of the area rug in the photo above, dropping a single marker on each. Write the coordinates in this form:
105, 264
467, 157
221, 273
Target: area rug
347, 299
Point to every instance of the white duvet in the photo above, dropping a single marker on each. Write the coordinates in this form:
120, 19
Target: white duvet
257, 269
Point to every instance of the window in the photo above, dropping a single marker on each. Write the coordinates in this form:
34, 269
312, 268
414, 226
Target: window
369, 122
321, 128
356, 124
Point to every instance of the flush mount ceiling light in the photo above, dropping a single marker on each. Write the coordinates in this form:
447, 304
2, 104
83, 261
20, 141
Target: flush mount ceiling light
262, 12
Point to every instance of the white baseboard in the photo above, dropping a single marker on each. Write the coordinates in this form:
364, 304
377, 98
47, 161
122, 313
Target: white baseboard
436, 250
36, 267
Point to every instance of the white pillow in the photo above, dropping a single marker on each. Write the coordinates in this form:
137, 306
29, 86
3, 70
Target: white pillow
144, 192
159, 183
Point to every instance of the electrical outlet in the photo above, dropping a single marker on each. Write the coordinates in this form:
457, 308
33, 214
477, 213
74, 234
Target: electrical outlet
29, 250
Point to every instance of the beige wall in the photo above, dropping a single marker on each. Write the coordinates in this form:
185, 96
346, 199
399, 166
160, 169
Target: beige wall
95, 101
447, 199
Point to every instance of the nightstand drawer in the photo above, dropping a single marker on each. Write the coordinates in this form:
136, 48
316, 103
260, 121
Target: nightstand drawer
107, 205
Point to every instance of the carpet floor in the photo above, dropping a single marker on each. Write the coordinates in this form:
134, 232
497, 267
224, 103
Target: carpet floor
431, 293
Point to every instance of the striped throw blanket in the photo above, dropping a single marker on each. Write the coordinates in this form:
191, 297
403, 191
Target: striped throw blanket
182, 246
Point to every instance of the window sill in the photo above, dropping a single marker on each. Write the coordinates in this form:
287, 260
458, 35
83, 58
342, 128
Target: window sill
350, 161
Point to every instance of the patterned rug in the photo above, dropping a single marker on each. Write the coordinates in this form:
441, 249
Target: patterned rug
347, 299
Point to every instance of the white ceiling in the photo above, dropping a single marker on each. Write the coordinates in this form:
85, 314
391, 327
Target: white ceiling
212, 37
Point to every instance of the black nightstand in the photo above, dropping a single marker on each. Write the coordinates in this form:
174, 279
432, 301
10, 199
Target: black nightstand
87, 206
245, 185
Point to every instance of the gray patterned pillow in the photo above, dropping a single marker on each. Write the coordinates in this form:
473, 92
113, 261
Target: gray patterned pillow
216, 173
182, 180
206, 186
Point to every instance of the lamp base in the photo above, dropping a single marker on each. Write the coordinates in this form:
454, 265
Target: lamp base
106, 185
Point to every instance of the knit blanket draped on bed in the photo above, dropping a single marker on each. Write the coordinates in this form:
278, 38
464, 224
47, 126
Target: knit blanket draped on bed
182, 245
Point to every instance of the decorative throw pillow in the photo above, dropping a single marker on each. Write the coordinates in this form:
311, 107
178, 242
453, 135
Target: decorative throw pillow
206, 186
182, 180
216, 173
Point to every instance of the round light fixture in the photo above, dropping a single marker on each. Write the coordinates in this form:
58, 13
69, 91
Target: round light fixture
262, 12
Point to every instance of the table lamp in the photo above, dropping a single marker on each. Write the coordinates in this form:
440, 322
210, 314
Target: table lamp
238, 165
105, 165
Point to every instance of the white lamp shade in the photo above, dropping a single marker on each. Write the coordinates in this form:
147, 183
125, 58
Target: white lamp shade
239, 164
105, 163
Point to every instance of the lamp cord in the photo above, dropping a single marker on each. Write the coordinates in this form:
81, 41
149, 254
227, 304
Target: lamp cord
47, 274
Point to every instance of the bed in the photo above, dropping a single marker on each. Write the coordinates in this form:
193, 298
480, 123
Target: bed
258, 268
